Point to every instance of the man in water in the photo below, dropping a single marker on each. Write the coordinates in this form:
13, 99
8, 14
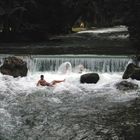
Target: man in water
43, 82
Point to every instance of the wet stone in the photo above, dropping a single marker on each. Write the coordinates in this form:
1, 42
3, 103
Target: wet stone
125, 85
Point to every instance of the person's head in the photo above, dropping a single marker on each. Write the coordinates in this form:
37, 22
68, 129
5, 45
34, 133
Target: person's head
42, 77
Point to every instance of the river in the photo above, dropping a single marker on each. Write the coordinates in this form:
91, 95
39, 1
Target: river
69, 110
105, 41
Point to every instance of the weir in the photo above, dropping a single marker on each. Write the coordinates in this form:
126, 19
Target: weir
90, 62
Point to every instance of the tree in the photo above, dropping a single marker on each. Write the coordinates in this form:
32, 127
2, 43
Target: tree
12, 13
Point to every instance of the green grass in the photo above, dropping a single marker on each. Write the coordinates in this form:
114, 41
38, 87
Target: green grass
78, 29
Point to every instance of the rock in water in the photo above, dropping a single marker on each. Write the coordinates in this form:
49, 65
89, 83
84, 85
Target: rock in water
89, 78
125, 85
14, 66
132, 71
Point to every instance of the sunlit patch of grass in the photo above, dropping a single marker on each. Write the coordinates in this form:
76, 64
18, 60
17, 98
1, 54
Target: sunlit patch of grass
78, 29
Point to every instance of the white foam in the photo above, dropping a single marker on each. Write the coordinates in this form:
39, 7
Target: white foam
11, 87
21, 95
106, 30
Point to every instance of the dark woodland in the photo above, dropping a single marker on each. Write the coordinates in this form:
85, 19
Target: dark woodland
38, 19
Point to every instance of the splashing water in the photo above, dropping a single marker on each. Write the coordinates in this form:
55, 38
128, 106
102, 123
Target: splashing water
65, 68
69, 110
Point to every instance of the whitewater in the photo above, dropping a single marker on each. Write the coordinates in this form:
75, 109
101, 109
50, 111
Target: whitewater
69, 110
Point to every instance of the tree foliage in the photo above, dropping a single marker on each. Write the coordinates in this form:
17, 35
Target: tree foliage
58, 16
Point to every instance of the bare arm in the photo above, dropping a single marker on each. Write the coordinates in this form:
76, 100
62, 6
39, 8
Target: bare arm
38, 83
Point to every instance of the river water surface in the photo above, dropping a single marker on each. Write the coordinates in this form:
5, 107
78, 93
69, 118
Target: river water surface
70, 110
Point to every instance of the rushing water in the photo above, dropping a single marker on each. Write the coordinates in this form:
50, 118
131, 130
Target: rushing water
70, 110
90, 62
